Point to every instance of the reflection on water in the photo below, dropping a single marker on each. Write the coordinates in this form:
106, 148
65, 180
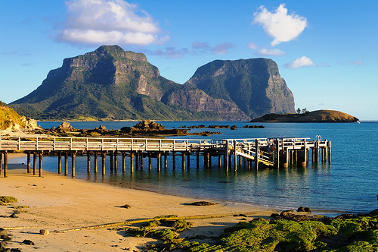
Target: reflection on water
348, 184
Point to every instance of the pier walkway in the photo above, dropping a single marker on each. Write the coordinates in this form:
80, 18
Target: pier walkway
261, 152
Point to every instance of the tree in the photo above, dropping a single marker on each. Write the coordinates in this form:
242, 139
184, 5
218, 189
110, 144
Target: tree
298, 110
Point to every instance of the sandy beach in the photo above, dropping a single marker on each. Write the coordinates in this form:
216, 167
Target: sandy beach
56, 202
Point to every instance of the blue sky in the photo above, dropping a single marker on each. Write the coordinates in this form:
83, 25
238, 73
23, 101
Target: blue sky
333, 43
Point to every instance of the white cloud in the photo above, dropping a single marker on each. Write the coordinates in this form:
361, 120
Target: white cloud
252, 46
271, 52
108, 22
280, 25
300, 62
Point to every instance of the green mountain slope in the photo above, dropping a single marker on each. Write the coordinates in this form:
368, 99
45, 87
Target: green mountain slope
110, 83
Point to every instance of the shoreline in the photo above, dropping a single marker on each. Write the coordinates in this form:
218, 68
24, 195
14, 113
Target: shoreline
56, 203
276, 208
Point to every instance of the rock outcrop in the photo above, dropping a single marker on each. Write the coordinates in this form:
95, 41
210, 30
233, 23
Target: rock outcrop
314, 116
10, 120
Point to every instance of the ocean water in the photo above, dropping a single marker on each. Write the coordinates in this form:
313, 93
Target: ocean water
349, 183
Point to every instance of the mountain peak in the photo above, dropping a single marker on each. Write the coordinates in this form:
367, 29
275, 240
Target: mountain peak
110, 49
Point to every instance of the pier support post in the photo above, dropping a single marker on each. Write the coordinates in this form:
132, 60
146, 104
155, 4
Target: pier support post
123, 162
285, 158
66, 164
159, 161
88, 163
173, 160
5, 164
188, 160
111, 161
27, 162
235, 157
95, 163
198, 159
329, 151
165, 160
115, 162
149, 162
209, 157
40, 164
183, 161
132, 162
249, 165
257, 148
277, 153
34, 163
73, 165
292, 158
227, 157
59, 163
219, 161
302, 157
103, 159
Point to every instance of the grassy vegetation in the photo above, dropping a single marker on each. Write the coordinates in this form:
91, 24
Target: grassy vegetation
338, 234
9, 116
5, 200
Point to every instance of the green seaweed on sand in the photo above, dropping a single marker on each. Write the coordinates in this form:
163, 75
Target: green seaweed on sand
353, 233
6, 200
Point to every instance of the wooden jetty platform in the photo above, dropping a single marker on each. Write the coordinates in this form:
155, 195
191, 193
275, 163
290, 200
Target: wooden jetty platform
230, 153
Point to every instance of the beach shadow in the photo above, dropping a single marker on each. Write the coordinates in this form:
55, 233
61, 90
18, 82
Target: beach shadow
29, 232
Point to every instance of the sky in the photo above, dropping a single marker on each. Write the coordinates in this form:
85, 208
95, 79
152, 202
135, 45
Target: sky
327, 51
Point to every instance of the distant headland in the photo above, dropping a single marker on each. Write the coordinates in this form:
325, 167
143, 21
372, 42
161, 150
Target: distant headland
318, 116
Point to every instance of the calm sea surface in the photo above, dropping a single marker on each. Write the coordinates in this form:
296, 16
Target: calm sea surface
349, 184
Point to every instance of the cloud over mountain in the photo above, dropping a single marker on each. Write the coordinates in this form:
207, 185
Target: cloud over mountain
300, 62
280, 25
108, 22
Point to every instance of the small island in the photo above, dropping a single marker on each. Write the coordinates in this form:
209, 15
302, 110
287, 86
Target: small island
318, 116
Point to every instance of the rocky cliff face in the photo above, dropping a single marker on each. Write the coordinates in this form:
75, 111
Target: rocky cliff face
197, 100
254, 85
10, 120
110, 83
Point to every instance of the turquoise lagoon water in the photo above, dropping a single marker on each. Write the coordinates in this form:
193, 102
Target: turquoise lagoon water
349, 183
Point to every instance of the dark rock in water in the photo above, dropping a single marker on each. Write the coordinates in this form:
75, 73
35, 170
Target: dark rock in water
219, 126
148, 125
65, 127
304, 209
307, 210
233, 127
253, 126
28, 242
300, 209
201, 203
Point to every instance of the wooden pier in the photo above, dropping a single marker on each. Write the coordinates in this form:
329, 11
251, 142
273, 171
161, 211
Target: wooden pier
257, 153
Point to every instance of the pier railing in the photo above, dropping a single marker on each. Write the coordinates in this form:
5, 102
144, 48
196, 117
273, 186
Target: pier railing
272, 152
